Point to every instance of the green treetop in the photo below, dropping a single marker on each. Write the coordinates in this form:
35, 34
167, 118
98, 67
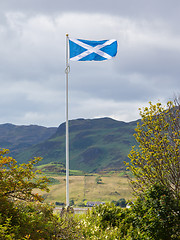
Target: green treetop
157, 159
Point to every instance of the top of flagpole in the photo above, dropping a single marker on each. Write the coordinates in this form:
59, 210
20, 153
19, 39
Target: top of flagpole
67, 70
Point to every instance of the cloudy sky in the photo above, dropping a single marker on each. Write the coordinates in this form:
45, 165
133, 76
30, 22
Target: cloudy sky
32, 58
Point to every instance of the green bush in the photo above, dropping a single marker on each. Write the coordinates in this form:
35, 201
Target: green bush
22, 214
37, 221
121, 203
155, 215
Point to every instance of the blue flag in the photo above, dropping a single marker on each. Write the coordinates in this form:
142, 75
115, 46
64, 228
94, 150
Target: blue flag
86, 50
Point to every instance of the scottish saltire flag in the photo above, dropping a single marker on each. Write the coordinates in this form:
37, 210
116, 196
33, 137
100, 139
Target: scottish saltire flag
86, 50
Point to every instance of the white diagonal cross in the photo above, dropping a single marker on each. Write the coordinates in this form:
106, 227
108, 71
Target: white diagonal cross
91, 49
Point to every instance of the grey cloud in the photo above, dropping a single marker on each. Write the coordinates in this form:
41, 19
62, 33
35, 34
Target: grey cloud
22, 58
152, 61
117, 88
130, 8
32, 58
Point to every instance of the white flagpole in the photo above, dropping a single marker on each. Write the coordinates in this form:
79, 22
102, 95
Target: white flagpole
67, 125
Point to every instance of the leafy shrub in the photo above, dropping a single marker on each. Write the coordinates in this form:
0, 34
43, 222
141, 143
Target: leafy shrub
155, 215
121, 203
22, 214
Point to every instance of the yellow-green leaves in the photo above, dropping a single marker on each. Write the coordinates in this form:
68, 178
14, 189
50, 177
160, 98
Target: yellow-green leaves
18, 182
157, 159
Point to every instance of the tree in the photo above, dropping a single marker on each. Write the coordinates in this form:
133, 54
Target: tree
16, 194
23, 215
155, 215
157, 159
98, 180
121, 202
18, 182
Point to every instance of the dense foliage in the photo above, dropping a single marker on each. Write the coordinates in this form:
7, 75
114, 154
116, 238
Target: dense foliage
157, 160
17, 182
22, 214
153, 216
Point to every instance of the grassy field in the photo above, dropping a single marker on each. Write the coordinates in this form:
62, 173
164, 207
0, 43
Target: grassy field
85, 188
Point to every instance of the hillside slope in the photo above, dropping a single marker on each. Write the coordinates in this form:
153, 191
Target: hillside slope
95, 144
18, 138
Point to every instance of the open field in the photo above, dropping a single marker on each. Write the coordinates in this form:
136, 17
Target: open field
86, 188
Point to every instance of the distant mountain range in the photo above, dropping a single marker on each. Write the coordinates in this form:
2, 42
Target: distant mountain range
95, 144
18, 138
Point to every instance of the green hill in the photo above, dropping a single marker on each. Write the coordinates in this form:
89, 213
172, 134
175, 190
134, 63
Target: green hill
95, 144
18, 138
